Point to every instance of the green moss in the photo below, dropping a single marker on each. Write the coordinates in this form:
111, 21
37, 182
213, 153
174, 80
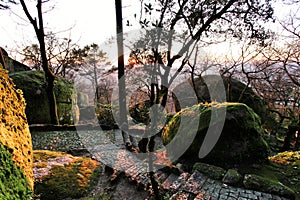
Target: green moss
73, 180
211, 171
14, 131
263, 184
33, 85
288, 175
240, 141
104, 115
232, 177
44, 155
13, 182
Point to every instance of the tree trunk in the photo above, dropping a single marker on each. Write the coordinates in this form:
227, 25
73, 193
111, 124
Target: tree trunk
52, 100
121, 73
49, 76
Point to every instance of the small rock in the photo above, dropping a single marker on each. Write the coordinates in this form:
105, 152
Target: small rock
232, 177
211, 171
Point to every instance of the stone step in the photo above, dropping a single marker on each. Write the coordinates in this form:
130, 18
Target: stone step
194, 183
166, 185
182, 186
179, 182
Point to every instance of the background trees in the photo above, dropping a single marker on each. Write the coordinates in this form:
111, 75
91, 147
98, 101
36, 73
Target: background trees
63, 55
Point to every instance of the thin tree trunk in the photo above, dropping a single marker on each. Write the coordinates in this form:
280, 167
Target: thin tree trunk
121, 73
49, 76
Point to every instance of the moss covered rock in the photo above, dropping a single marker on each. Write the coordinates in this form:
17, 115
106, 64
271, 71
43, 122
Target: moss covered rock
33, 85
232, 177
255, 182
211, 171
240, 140
236, 91
14, 130
59, 175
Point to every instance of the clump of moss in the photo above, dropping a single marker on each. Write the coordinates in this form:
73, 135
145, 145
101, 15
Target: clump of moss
73, 178
14, 130
13, 182
287, 158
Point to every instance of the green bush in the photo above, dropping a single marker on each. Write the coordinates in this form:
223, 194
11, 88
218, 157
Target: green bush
105, 115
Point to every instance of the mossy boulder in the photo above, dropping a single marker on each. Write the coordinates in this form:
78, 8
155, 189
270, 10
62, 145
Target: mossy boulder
255, 182
60, 175
14, 130
235, 90
33, 85
211, 171
240, 141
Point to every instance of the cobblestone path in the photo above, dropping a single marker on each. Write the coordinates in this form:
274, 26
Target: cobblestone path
179, 186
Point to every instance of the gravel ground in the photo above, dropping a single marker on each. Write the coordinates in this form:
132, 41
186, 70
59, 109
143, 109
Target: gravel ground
70, 140
77, 143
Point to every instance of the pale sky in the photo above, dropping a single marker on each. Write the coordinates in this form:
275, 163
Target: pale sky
92, 22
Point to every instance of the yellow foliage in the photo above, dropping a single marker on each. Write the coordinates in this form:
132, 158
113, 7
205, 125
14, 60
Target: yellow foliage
14, 130
287, 158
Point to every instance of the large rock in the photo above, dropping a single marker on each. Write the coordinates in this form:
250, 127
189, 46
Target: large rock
255, 182
235, 90
15, 138
13, 65
33, 84
62, 176
240, 140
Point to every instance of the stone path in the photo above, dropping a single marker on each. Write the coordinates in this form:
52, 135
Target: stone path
179, 186
110, 151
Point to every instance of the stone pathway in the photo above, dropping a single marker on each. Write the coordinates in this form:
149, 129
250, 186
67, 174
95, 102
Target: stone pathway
109, 150
179, 186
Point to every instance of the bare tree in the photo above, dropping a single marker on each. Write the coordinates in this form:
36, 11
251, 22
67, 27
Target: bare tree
38, 25
128, 140
4, 4
63, 56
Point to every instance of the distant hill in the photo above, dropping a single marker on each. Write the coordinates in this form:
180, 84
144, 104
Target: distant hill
13, 65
